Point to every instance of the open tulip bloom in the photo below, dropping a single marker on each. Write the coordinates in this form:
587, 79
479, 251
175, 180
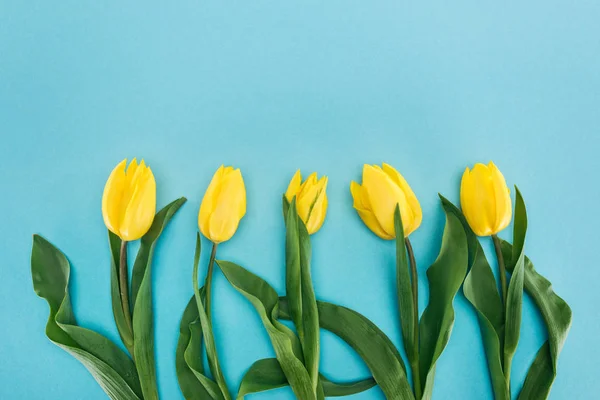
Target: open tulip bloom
387, 205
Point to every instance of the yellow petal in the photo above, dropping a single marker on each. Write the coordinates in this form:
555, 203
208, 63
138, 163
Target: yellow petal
294, 186
383, 195
319, 209
111, 198
413, 202
230, 208
307, 197
141, 209
209, 201
502, 199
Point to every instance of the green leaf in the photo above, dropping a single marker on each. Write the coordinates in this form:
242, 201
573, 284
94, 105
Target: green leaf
557, 316
265, 301
514, 295
445, 277
122, 326
188, 348
406, 304
143, 328
405, 294
266, 374
205, 329
371, 344
300, 292
482, 292
109, 365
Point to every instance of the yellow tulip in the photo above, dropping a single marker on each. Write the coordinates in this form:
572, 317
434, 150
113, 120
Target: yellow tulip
375, 200
485, 199
223, 205
129, 200
311, 199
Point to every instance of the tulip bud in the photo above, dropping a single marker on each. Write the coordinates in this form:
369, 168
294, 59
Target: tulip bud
129, 200
311, 199
223, 205
485, 199
375, 201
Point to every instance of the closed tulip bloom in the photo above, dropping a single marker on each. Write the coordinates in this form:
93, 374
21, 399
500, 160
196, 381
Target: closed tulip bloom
485, 199
311, 199
223, 205
375, 201
129, 200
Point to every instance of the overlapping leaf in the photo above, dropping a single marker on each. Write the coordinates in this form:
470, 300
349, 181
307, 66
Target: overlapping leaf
514, 295
143, 326
300, 292
557, 316
482, 292
445, 277
264, 299
406, 306
220, 392
109, 365
188, 356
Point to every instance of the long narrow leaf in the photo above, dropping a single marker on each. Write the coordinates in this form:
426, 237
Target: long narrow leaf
482, 292
445, 277
557, 316
300, 291
221, 392
264, 299
514, 295
109, 365
266, 374
371, 344
143, 324
191, 387
122, 326
405, 294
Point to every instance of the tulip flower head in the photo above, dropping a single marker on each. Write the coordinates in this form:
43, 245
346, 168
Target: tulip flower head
129, 200
485, 199
375, 201
311, 199
223, 205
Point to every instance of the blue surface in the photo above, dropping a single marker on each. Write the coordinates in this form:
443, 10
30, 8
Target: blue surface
271, 87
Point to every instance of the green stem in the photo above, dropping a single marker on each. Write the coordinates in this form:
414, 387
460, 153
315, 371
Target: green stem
124, 290
502, 270
416, 373
208, 282
501, 266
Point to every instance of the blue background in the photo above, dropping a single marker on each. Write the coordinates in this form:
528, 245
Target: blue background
270, 87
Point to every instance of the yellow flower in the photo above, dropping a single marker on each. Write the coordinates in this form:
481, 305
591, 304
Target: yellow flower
375, 200
223, 205
311, 199
129, 200
485, 199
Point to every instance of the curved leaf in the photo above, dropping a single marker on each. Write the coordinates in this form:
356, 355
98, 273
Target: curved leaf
445, 277
218, 391
406, 306
481, 291
109, 365
371, 344
266, 374
265, 301
300, 292
124, 330
143, 327
514, 295
191, 387
557, 315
